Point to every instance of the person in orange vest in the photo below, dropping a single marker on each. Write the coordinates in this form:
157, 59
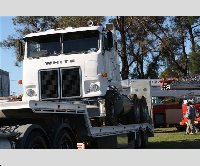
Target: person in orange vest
191, 116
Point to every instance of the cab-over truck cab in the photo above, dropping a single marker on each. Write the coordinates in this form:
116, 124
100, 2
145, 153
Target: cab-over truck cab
71, 63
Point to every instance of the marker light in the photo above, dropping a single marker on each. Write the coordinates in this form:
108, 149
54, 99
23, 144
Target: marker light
20, 82
104, 74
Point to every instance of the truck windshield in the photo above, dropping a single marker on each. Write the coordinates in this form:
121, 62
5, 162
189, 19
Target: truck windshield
67, 43
81, 42
45, 45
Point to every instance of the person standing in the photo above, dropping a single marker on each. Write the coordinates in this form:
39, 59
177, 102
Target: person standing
191, 116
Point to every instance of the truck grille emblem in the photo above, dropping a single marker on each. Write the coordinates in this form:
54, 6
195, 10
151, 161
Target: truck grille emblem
59, 62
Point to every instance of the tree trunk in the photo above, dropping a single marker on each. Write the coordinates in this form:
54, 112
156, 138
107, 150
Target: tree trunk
192, 38
184, 53
125, 67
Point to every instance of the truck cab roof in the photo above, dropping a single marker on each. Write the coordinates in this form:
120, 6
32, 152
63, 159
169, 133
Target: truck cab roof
66, 30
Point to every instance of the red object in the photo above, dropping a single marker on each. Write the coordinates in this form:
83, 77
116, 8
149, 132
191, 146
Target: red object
167, 114
168, 81
80, 146
20, 82
183, 122
104, 74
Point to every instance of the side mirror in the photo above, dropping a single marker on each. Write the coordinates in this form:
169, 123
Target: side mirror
20, 48
110, 39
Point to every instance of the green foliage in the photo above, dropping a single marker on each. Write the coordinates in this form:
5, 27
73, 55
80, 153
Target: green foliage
194, 65
77, 21
141, 43
8, 43
169, 72
28, 24
172, 71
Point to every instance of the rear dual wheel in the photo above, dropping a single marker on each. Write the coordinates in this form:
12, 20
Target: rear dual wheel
144, 138
138, 140
110, 100
136, 109
35, 140
141, 140
143, 110
139, 113
63, 140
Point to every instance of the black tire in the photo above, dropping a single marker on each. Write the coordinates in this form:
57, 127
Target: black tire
136, 109
144, 139
143, 110
138, 140
63, 141
111, 118
131, 140
35, 140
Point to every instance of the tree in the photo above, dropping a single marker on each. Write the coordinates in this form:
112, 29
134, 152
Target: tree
183, 31
143, 45
138, 46
194, 62
80, 21
121, 26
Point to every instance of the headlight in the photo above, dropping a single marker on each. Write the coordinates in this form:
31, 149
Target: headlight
94, 87
30, 92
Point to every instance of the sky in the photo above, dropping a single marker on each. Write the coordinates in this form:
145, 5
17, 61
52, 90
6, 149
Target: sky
7, 56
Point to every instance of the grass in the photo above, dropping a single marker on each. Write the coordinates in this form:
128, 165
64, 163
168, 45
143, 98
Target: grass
169, 138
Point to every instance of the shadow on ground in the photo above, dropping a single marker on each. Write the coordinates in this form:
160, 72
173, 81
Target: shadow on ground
166, 131
183, 144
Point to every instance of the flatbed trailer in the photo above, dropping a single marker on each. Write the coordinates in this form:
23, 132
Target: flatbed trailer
87, 137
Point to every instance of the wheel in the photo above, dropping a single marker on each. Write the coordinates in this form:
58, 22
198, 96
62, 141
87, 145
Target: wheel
111, 117
35, 140
138, 140
136, 109
63, 141
144, 139
131, 140
143, 110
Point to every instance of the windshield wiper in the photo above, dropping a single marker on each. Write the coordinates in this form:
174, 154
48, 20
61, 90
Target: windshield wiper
75, 52
42, 53
54, 54
72, 52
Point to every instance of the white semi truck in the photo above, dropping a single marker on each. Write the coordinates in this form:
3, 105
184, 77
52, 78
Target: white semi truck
72, 94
